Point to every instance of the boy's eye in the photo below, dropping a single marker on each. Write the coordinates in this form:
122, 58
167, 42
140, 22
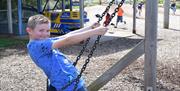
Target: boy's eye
41, 30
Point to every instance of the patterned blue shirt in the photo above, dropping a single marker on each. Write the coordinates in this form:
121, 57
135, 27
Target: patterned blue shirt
59, 70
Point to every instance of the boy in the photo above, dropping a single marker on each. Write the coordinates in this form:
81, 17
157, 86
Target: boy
119, 17
45, 54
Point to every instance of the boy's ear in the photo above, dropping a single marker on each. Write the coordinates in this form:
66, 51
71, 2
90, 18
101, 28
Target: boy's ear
28, 30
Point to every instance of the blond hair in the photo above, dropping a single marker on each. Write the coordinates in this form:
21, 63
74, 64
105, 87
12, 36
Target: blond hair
37, 19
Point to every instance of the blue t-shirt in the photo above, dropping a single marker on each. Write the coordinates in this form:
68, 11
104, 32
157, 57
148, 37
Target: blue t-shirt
59, 70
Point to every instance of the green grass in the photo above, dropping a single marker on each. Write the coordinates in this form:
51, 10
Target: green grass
178, 5
9, 42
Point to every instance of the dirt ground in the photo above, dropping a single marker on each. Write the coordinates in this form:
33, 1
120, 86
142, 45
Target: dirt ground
19, 73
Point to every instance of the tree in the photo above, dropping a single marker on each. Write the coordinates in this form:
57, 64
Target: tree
100, 2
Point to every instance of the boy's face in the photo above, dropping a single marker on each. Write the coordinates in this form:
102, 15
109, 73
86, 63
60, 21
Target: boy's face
41, 31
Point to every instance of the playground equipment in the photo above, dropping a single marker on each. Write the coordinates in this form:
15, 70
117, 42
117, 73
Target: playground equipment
147, 46
65, 18
95, 44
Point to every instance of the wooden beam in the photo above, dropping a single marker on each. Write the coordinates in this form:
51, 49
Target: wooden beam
118, 67
150, 45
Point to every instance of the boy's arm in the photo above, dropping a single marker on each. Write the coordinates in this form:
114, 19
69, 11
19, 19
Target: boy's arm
80, 30
75, 38
94, 25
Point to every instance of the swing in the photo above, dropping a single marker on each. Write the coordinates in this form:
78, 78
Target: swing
108, 20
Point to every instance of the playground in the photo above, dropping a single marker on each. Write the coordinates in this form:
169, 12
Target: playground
19, 73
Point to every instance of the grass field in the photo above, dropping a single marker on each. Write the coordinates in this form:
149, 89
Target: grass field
8, 42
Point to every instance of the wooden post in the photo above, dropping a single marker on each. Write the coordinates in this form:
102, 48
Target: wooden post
134, 16
81, 13
9, 14
100, 2
166, 13
135, 53
150, 45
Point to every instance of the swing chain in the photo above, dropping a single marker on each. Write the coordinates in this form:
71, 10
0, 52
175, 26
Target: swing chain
115, 11
97, 41
106, 11
93, 47
81, 52
87, 41
83, 67
87, 61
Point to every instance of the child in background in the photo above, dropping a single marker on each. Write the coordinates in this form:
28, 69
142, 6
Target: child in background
44, 51
140, 8
120, 17
173, 7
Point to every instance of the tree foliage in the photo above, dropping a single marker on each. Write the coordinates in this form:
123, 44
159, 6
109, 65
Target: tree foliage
3, 3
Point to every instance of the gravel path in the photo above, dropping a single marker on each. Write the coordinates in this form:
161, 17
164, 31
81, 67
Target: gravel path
19, 73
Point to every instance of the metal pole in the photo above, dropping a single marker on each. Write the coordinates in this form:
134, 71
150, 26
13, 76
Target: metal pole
150, 45
39, 3
134, 16
71, 4
166, 13
81, 13
63, 5
20, 16
9, 14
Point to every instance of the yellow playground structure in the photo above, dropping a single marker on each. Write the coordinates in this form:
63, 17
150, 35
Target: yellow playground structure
64, 16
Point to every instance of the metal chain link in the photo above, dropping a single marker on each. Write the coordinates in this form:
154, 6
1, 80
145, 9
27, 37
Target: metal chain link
87, 61
87, 41
94, 46
106, 11
115, 11
81, 52
98, 39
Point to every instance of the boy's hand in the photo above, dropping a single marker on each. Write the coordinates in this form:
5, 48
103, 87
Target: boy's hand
95, 25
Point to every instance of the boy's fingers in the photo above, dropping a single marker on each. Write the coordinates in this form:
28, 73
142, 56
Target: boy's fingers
95, 25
